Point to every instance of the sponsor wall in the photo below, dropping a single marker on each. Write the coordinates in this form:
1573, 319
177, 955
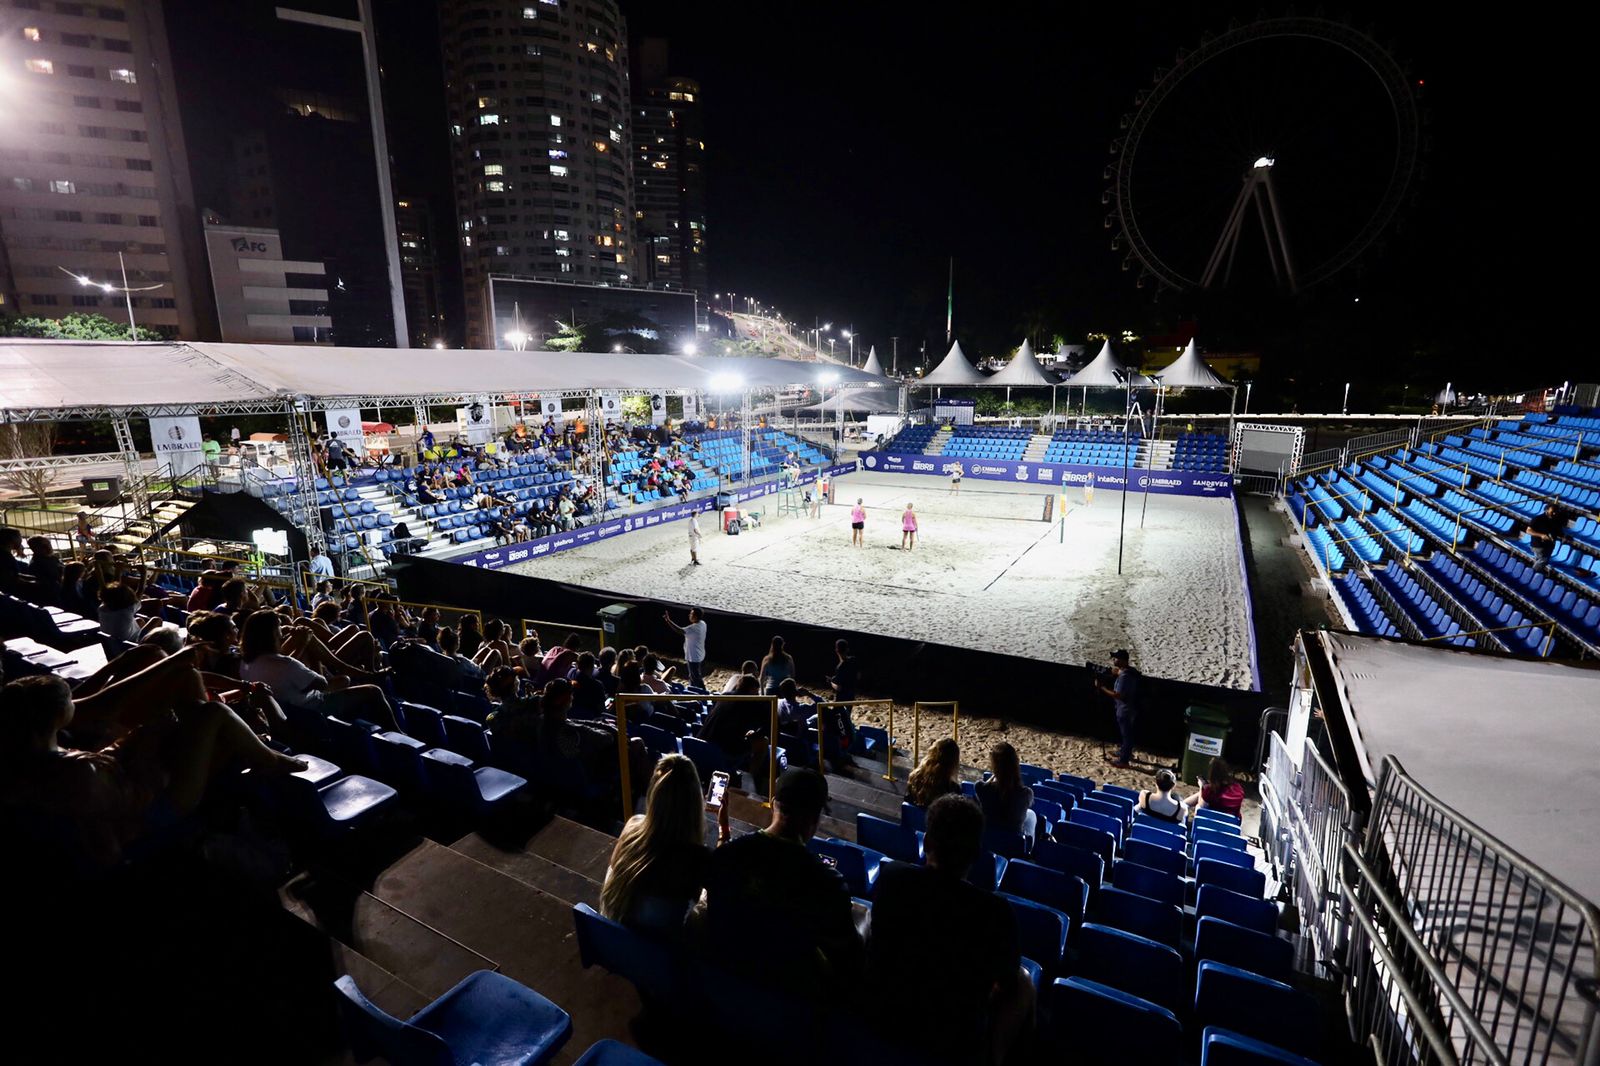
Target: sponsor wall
344, 425
176, 442
1170, 482
495, 558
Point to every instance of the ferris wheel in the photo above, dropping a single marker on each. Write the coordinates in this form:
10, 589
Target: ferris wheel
1297, 137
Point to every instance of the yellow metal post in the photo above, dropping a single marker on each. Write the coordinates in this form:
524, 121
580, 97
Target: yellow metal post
620, 707
889, 775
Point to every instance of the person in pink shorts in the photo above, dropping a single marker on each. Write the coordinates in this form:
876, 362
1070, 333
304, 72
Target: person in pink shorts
908, 528
858, 522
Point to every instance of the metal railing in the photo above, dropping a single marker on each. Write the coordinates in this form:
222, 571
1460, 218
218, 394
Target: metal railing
619, 710
1500, 955
526, 624
821, 763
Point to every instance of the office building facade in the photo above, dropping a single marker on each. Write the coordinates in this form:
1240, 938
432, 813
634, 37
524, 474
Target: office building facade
93, 166
538, 101
669, 174
419, 271
262, 297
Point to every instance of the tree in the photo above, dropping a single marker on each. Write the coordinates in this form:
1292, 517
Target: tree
77, 326
569, 337
28, 440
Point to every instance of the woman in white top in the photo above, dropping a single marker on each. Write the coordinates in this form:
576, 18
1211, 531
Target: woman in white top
1163, 801
297, 685
694, 539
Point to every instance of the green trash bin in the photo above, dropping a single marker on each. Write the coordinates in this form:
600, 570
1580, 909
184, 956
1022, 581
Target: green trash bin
1207, 733
616, 625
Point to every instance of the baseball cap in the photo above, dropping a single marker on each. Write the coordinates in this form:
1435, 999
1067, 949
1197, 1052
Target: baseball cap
1120, 653
801, 789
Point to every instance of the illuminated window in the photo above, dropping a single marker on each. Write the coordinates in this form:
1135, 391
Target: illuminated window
659, 164
30, 33
596, 98
558, 153
41, 66
455, 131
563, 251
566, 268
489, 120
622, 258
562, 235
485, 101
557, 171
501, 249
493, 170
663, 258
62, 186
592, 47
530, 13
124, 75
601, 146
555, 120
616, 136
496, 186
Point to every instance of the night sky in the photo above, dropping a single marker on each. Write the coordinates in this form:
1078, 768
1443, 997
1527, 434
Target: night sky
853, 149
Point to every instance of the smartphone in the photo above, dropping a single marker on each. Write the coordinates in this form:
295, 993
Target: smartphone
829, 861
719, 787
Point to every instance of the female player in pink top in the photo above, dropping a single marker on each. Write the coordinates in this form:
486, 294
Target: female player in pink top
858, 521
908, 529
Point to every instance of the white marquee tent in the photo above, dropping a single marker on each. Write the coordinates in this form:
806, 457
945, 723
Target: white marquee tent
872, 366
954, 369
1190, 371
1024, 369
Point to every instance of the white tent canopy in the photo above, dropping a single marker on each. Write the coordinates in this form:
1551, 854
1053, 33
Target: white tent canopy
1190, 371
954, 370
1510, 743
1024, 369
872, 366
39, 375
1104, 370
858, 402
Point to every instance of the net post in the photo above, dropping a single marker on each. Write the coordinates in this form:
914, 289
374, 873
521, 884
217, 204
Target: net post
772, 752
621, 708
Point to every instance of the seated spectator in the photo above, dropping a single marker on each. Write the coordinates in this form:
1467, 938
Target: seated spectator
215, 638
468, 674
943, 948
292, 682
495, 651
1218, 790
590, 747
166, 636
428, 626
1163, 801
97, 802
13, 571
939, 774
516, 716
605, 670
44, 565
559, 660
119, 606
658, 867
588, 694
470, 635
530, 659
767, 889
736, 682
729, 725
323, 594
384, 623
72, 597
1007, 803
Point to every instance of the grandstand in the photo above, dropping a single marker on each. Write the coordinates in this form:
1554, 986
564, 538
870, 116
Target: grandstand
1189, 451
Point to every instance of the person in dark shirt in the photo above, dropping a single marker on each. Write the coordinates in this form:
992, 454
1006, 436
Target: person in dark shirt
1126, 691
588, 693
1543, 531
1007, 803
13, 574
45, 566
846, 677
776, 910
943, 948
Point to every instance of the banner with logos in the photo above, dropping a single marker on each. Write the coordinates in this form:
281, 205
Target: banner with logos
476, 420
176, 443
550, 407
691, 407
344, 425
611, 406
658, 408
1169, 482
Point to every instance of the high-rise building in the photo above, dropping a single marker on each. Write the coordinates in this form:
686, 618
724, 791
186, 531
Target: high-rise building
419, 271
260, 295
668, 173
93, 165
537, 95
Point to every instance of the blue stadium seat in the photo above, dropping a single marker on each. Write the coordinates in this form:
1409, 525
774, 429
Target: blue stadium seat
1053, 888
1124, 806
1041, 931
457, 780
1211, 814
1202, 835
1255, 1006
465, 737
1096, 839
1086, 866
1223, 1047
397, 757
1131, 963
423, 722
339, 807
1154, 884
1251, 882
1091, 819
1095, 1023
612, 1053
1221, 853
913, 817
1100, 804
985, 871
856, 864
1169, 861
1140, 915
1083, 784
486, 1018
887, 838
1260, 953
1214, 901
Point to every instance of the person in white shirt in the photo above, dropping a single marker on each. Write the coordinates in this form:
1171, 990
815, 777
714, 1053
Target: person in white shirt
297, 685
694, 539
694, 645
320, 564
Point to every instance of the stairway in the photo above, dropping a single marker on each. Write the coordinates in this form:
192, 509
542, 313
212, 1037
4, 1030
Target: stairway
936, 445
1038, 444
1156, 454
137, 532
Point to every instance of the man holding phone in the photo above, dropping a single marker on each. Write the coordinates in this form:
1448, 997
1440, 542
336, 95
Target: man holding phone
1125, 690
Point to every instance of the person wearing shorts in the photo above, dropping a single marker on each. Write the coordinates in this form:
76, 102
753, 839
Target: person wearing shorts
694, 540
1088, 490
908, 529
955, 479
858, 522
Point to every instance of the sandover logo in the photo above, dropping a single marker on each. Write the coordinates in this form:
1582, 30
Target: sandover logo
871, 461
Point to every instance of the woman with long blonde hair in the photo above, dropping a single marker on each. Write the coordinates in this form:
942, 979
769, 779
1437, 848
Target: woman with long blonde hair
659, 864
938, 775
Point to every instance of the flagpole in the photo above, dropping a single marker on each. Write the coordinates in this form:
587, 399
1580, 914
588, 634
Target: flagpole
950, 303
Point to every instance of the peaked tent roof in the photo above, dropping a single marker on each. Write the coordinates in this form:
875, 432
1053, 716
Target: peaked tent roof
1024, 369
872, 366
1190, 371
857, 402
954, 370
1104, 370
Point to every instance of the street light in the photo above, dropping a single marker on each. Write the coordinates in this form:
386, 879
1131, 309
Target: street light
1247, 397
517, 336
107, 287
691, 348
851, 337
1346, 397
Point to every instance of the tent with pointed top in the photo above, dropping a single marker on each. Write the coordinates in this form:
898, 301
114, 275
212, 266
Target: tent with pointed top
872, 366
1190, 371
954, 370
1024, 369
1105, 370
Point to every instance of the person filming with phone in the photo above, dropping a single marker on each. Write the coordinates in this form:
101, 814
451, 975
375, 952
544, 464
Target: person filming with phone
1125, 686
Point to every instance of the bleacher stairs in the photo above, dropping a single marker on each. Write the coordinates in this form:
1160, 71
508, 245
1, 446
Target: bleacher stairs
936, 445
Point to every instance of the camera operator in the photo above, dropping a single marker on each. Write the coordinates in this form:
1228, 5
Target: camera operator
1126, 689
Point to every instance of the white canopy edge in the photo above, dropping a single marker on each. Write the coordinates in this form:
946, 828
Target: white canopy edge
954, 369
1190, 371
1024, 369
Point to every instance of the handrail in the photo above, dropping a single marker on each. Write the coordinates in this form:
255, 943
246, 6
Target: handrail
854, 703
619, 711
916, 724
526, 622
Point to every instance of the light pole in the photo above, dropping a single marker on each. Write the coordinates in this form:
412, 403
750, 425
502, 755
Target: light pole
894, 355
107, 287
1247, 397
517, 335
1346, 409
850, 335
830, 349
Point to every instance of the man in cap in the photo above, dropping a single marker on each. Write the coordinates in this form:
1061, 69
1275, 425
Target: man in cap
777, 908
1125, 691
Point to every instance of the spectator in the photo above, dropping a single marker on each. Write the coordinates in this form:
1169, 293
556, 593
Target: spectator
214, 636
736, 681
1218, 790
470, 635
467, 674
730, 725
559, 660
1007, 803
605, 670
72, 597
166, 636
13, 573
45, 567
320, 564
775, 668
767, 888
694, 645
659, 864
939, 774
846, 675
85, 533
323, 594
1163, 801
790, 710
588, 694
1126, 691
516, 717
589, 748
929, 920
428, 626
297, 685
530, 659
1542, 532
119, 606
383, 623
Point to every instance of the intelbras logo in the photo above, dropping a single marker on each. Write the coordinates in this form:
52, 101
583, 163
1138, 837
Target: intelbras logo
564, 542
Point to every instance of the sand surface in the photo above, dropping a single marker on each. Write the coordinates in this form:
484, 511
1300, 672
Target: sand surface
986, 573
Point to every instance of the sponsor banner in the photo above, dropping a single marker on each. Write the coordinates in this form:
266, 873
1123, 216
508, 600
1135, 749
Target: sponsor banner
691, 406
611, 406
476, 420
550, 407
658, 408
1170, 482
176, 442
344, 426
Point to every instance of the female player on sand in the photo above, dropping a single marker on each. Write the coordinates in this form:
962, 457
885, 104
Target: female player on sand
908, 529
858, 522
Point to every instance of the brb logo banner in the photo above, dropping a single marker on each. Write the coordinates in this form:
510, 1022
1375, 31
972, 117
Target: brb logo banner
1171, 482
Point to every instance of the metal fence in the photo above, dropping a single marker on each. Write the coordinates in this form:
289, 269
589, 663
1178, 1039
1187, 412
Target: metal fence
1461, 950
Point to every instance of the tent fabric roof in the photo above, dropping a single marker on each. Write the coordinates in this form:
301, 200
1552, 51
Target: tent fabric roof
1509, 743
1190, 371
858, 401
872, 366
81, 374
954, 369
1024, 369
1103, 370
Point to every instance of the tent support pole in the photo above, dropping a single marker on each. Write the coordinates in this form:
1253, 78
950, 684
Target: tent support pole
1232, 405
1122, 520
305, 476
744, 433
